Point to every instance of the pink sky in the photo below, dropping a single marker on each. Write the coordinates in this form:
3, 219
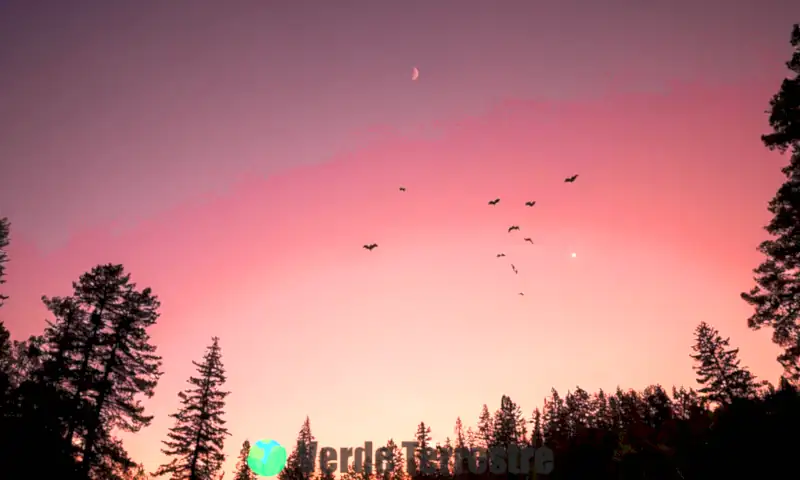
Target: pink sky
237, 160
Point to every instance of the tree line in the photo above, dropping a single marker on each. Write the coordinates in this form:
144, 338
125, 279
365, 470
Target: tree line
66, 393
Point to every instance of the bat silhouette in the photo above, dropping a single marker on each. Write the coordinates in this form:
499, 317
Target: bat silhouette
513, 227
528, 239
402, 189
530, 204
514, 268
495, 201
370, 246
501, 255
570, 179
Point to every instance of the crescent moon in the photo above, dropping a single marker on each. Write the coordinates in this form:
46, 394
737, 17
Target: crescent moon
415, 73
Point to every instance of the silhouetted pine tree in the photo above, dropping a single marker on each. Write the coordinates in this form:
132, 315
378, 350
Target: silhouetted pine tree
485, 433
89, 369
5, 233
300, 462
718, 368
196, 441
424, 463
537, 438
508, 424
396, 466
99, 292
243, 471
631, 407
776, 295
658, 409
5, 336
460, 447
482, 438
553, 419
119, 362
460, 438
602, 411
578, 410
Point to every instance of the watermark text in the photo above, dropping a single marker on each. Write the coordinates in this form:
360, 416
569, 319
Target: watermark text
514, 459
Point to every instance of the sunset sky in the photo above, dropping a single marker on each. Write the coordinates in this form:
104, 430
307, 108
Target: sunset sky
236, 158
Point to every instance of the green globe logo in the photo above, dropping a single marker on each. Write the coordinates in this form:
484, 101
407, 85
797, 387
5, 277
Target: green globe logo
266, 458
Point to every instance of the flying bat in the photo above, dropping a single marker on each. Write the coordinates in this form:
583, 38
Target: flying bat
570, 179
501, 255
370, 246
402, 189
495, 201
514, 268
530, 204
513, 227
528, 239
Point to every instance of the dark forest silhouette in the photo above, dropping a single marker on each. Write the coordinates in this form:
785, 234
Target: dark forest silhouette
64, 393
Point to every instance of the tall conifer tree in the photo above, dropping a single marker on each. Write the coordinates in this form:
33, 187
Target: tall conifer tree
300, 462
121, 365
718, 367
196, 441
776, 296
508, 426
396, 467
243, 471
5, 234
424, 461
5, 335
485, 428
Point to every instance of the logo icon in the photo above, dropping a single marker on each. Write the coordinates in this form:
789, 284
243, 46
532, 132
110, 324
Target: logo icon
266, 458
